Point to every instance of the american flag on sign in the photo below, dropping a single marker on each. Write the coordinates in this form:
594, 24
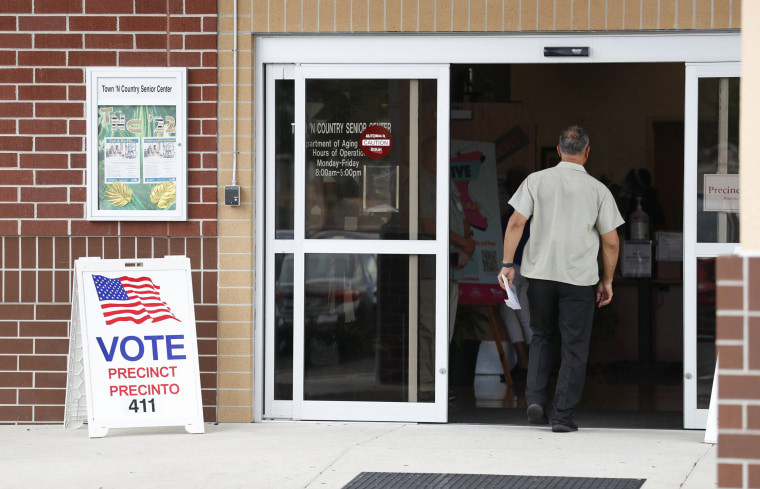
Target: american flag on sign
131, 299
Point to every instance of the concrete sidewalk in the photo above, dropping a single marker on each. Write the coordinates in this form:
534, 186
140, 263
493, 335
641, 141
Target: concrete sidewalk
327, 455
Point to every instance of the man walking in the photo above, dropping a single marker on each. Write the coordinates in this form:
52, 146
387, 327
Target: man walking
571, 213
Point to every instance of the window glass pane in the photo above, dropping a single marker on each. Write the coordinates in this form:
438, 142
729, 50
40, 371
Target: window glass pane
357, 327
718, 156
284, 162
283, 328
361, 162
705, 330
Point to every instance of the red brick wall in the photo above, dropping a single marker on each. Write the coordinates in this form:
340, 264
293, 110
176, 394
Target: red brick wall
45, 46
738, 343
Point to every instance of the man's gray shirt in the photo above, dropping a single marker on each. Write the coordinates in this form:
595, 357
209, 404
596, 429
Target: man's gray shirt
570, 209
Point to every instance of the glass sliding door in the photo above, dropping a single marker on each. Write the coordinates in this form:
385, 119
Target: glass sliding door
711, 218
356, 292
278, 263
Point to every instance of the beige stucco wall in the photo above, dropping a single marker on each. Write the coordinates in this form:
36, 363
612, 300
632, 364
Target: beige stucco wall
749, 125
236, 225
737, 278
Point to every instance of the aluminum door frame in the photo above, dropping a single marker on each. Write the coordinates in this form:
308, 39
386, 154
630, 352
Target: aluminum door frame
299, 408
695, 418
698, 48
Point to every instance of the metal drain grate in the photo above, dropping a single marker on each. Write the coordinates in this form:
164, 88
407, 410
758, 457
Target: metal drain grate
398, 480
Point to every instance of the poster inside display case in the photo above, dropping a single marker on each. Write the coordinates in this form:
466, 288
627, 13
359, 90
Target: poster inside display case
137, 144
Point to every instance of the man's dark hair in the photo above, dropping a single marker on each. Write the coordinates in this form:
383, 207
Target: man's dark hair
573, 140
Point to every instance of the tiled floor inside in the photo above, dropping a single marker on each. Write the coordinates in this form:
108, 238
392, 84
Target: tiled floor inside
614, 396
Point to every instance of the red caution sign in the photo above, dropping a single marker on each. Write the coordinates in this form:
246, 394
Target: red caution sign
376, 142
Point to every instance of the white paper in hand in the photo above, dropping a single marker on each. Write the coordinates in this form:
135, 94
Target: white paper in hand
512, 301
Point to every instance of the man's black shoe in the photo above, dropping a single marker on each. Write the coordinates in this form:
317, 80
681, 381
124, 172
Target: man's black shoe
564, 427
536, 414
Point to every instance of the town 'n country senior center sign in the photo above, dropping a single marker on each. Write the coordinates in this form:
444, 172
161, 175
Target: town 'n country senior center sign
139, 345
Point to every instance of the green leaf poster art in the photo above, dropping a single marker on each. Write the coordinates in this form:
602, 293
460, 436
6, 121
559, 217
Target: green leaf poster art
137, 157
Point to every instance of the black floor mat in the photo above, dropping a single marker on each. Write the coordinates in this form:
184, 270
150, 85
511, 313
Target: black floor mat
396, 480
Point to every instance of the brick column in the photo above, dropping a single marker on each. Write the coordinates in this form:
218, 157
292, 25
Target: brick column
738, 344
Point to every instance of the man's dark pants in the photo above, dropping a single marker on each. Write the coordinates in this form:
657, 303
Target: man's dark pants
559, 311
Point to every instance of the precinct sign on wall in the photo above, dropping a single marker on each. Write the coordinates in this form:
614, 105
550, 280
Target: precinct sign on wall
140, 348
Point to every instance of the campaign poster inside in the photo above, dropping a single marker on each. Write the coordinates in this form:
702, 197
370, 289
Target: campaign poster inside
473, 170
140, 346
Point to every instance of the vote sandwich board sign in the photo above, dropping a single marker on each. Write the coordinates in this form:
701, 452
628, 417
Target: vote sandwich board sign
137, 324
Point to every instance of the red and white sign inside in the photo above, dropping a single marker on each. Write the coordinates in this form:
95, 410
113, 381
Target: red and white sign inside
376, 142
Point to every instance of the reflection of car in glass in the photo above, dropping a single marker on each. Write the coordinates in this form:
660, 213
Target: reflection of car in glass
339, 306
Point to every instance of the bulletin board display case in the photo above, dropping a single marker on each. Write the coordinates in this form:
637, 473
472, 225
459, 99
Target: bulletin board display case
137, 144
